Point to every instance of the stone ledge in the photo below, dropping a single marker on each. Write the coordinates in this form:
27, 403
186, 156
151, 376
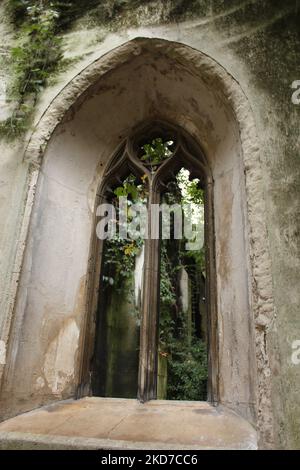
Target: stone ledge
107, 423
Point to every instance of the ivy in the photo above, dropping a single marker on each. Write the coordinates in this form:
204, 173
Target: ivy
36, 56
167, 291
119, 260
187, 370
185, 352
16, 10
120, 254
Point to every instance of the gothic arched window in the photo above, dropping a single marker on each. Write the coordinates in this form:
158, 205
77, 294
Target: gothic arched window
156, 324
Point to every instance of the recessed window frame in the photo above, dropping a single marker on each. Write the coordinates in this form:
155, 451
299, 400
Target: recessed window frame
188, 154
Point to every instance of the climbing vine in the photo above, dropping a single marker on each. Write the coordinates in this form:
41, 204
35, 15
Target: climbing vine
38, 52
34, 58
181, 346
119, 254
184, 351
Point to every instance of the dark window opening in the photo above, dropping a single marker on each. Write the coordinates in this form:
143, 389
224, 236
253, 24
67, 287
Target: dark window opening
182, 346
152, 331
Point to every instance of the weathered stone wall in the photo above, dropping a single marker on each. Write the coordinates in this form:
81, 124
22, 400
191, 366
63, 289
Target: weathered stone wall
257, 42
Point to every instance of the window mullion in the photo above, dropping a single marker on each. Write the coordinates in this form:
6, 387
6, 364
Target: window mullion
147, 382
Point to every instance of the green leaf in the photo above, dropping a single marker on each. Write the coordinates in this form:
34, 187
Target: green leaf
120, 191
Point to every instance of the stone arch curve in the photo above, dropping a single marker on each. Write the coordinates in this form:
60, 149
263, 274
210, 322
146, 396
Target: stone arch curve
212, 107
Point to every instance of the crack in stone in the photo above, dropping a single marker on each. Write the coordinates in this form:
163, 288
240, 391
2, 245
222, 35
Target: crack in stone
117, 425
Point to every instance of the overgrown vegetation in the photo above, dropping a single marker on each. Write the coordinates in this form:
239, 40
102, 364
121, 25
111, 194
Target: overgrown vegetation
120, 253
184, 350
156, 153
35, 57
180, 341
38, 53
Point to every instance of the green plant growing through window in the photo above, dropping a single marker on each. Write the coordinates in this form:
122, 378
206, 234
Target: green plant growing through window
156, 152
181, 345
119, 254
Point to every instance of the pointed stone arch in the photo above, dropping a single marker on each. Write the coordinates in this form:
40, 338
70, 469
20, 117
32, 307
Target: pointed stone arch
184, 86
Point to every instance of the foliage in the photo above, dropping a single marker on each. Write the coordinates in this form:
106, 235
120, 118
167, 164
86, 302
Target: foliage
68, 10
185, 351
119, 254
38, 59
17, 124
156, 152
128, 188
17, 11
192, 193
39, 54
167, 291
194, 258
35, 57
187, 370
119, 259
